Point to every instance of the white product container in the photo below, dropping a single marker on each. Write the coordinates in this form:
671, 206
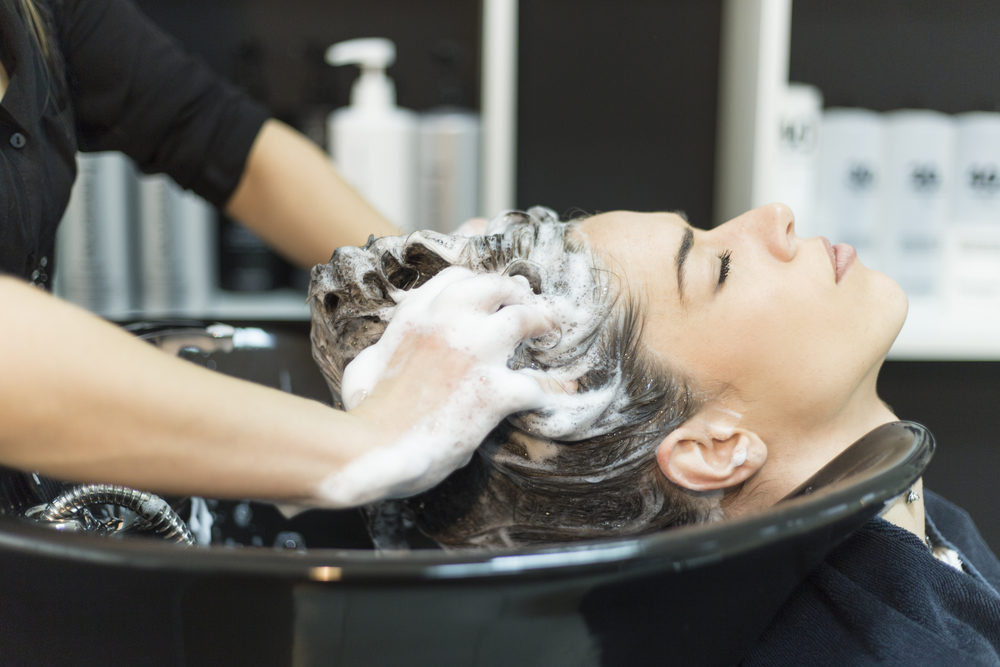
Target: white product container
850, 185
919, 179
973, 249
977, 168
374, 142
796, 153
177, 249
448, 191
93, 243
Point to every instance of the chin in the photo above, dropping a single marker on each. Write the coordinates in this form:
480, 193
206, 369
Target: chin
893, 306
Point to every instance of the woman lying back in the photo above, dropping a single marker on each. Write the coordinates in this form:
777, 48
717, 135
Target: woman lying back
687, 359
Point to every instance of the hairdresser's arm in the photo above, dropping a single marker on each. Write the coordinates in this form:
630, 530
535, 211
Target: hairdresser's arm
291, 195
83, 400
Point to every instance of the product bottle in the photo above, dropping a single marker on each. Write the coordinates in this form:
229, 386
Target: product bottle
973, 241
449, 135
176, 249
977, 177
93, 243
795, 162
850, 187
373, 141
919, 168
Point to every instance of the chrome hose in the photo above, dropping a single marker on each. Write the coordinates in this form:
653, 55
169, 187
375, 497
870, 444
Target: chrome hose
162, 518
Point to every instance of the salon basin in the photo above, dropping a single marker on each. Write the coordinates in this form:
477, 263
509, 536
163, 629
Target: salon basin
309, 590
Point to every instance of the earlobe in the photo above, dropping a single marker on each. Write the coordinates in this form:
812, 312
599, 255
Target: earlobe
704, 456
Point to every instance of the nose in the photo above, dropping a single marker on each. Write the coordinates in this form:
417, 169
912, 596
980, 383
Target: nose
774, 225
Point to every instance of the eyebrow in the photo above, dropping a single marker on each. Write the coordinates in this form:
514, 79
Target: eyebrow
687, 241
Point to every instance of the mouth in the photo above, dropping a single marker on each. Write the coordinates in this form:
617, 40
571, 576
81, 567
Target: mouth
842, 256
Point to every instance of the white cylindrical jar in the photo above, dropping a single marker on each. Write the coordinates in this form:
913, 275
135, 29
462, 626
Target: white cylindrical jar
850, 184
919, 179
973, 248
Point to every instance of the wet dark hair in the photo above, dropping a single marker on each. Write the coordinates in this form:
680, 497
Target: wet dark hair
523, 488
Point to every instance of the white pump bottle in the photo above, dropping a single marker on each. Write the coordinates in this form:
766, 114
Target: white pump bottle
374, 142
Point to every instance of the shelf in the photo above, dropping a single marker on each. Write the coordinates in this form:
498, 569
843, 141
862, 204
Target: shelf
936, 331
287, 305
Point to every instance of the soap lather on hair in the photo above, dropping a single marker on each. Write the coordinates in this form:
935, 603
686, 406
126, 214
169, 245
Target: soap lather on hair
615, 399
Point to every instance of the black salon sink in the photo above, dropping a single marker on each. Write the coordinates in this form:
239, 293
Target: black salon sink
687, 596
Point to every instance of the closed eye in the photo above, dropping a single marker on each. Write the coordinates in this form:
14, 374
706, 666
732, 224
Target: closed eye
725, 263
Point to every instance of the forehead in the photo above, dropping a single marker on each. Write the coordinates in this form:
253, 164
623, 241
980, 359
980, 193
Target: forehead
640, 247
612, 232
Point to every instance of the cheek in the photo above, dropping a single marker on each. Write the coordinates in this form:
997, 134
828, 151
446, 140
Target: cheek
804, 346
770, 338
772, 333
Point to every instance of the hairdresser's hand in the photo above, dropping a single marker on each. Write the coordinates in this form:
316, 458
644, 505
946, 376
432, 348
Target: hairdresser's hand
437, 382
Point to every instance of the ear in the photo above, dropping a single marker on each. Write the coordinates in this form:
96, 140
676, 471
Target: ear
709, 452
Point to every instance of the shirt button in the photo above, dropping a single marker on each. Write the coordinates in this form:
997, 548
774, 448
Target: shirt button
18, 140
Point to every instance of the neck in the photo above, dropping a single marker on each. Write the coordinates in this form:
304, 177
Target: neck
794, 456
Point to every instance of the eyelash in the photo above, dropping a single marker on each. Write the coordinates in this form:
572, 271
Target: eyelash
725, 259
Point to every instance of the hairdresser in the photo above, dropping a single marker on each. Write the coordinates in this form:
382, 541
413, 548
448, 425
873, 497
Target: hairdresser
82, 400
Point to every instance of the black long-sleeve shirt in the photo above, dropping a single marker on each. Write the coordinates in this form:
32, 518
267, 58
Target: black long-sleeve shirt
119, 84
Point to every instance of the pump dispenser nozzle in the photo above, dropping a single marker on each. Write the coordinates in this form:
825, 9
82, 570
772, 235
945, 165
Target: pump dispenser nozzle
373, 55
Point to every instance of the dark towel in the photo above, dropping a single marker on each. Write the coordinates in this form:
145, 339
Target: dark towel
882, 598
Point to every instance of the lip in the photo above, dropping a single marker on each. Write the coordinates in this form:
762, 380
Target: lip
845, 255
842, 256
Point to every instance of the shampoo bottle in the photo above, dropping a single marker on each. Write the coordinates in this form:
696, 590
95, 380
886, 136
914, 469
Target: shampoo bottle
973, 241
177, 250
919, 169
850, 187
374, 142
795, 161
449, 135
93, 245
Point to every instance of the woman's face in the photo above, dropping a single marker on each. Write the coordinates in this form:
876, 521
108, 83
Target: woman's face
750, 308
